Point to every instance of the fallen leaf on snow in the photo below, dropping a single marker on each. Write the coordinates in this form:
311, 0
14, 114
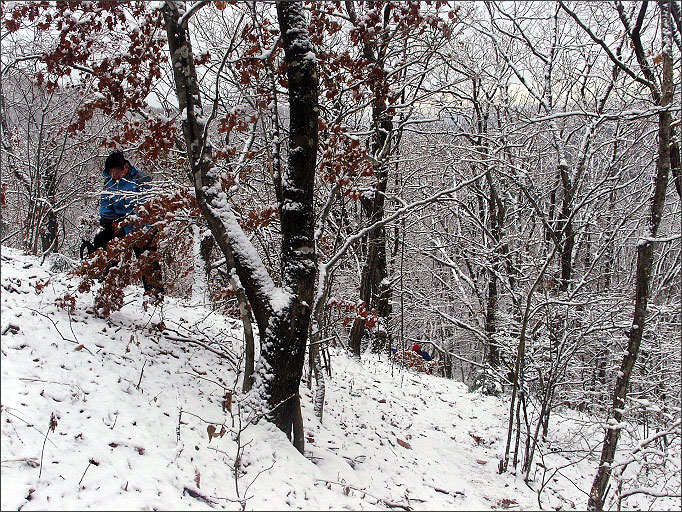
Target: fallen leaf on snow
478, 439
507, 502
402, 443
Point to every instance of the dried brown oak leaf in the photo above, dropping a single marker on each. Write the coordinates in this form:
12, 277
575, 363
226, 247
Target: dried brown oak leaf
404, 444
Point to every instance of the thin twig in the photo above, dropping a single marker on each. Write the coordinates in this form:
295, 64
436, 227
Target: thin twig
198, 495
205, 378
55, 325
379, 500
27, 423
86, 470
141, 373
51, 425
31, 461
224, 355
221, 423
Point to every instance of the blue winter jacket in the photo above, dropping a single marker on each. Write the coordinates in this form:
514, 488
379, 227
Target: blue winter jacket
120, 198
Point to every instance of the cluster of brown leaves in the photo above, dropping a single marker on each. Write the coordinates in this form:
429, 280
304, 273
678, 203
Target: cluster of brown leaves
118, 261
342, 157
258, 218
152, 138
411, 359
349, 311
85, 30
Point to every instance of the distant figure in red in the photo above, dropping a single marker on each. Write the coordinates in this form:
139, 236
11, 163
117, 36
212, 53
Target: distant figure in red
416, 348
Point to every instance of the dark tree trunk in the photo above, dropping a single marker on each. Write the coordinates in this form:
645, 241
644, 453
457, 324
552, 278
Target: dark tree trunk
493, 352
49, 230
375, 290
285, 341
282, 315
496, 215
645, 254
675, 166
565, 230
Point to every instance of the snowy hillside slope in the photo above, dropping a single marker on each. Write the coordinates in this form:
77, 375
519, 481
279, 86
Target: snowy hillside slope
121, 392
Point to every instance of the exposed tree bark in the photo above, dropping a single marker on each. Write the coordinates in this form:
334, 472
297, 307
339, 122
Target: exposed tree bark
496, 222
201, 266
289, 327
645, 248
282, 314
565, 228
49, 231
675, 166
375, 289
249, 341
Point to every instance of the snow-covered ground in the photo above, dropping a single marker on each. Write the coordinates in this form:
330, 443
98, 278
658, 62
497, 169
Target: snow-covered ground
133, 410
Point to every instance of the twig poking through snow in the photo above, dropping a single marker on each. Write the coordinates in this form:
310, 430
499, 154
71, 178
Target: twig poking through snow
53, 323
141, 373
51, 426
396, 505
90, 463
347, 487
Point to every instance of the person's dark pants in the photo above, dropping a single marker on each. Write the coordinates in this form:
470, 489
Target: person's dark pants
152, 284
103, 237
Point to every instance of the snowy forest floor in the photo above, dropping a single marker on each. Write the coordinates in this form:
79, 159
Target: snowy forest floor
390, 439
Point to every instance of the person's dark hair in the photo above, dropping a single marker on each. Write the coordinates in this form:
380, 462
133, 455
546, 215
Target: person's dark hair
114, 160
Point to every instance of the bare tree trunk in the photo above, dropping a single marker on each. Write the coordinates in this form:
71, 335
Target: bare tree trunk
49, 227
645, 256
282, 314
375, 289
565, 229
290, 330
199, 274
675, 166
496, 216
249, 342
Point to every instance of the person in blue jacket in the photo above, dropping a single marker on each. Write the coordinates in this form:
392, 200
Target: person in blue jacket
124, 189
425, 355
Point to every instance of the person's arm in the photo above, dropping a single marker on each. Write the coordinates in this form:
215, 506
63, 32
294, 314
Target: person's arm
143, 185
109, 209
106, 209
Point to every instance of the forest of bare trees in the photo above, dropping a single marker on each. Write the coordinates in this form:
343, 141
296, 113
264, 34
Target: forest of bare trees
498, 182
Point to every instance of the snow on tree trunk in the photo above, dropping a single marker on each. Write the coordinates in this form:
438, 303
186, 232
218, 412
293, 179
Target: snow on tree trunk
645, 255
282, 314
200, 281
375, 289
284, 343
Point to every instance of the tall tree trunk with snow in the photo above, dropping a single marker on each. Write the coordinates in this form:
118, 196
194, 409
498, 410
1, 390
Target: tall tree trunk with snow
564, 227
492, 356
645, 247
285, 342
282, 314
375, 290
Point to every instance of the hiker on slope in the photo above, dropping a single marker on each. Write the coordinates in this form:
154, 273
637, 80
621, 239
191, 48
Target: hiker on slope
124, 188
